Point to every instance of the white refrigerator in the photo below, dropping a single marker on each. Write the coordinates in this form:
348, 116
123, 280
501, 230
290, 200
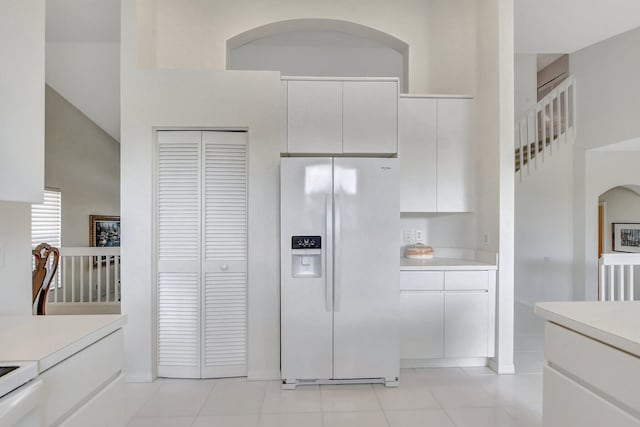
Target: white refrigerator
339, 270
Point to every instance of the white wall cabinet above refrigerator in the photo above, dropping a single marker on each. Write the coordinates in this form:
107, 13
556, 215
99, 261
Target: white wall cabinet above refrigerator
435, 151
340, 116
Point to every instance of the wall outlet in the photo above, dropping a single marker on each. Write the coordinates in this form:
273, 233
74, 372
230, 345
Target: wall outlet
409, 236
1, 255
420, 236
485, 238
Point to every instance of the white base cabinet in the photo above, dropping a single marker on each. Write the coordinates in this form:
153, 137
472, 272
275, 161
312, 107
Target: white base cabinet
447, 316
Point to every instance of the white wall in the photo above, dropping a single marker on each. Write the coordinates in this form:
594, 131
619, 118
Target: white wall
197, 99
544, 231
621, 205
608, 106
318, 53
15, 258
88, 76
83, 162
22, 26
495, 158
442, 230
192, 34
525, 78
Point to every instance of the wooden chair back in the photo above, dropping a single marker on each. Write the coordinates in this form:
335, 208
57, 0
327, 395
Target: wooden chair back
46, 265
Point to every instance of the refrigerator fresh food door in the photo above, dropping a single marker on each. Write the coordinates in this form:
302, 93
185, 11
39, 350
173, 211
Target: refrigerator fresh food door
366, 268
306, 207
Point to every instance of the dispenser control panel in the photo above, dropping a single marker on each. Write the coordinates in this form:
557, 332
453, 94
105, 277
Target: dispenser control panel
306, 242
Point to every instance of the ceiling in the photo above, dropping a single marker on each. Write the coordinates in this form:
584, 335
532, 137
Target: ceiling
565, 26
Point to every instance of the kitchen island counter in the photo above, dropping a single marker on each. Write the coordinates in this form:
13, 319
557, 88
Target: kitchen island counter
592, 370
50, 339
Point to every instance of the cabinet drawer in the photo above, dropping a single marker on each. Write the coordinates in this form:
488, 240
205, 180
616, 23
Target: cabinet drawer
568, 404
68, 383
422, 280
606, 368
466, 280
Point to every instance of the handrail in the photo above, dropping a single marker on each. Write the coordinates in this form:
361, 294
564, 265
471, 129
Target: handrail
551, 120
87, 275
616, 276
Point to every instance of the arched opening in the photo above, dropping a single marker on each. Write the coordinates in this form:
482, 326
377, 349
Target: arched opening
320, 47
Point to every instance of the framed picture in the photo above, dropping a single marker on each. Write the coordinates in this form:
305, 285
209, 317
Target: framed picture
626, 237
104, 231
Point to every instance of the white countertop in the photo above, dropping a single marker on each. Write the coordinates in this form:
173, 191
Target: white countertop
444, 264
614, 323
48, 340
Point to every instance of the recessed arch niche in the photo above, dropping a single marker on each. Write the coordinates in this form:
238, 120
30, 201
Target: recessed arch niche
320, 47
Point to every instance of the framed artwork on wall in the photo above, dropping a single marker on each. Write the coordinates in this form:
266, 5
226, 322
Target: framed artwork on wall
104, 231
626, 237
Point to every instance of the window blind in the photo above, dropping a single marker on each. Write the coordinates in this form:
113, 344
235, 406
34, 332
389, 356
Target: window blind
46, 220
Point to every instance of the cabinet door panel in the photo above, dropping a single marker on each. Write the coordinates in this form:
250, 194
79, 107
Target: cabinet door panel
454, 155
569, 404
421, 325
466, 320
417, 154
370, 117
314, 122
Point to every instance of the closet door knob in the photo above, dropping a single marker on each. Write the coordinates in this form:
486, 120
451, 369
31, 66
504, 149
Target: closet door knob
224, 267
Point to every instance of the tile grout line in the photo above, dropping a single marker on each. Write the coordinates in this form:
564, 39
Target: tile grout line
384, 413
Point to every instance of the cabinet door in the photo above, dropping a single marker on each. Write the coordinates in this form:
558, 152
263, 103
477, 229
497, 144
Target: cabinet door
370, 115
224, 264
417, 154
421, 325
466, 320
314, 120
454, 155
178, 253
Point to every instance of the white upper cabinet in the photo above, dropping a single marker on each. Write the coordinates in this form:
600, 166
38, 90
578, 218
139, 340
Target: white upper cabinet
314, 119
22, 121
435, 154
454, 155
417, 154
334, 116
370, 114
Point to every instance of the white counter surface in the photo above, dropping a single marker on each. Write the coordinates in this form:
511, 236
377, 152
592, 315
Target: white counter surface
614, 323
48, 340
444, 264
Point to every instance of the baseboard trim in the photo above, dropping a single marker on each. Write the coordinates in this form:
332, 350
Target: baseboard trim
504, 369
444, 363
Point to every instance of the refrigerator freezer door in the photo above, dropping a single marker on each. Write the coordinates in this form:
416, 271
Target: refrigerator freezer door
366, 269
306, 301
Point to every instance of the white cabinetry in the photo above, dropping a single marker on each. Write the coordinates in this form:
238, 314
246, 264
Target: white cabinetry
22, 103
448, 316
370, 114
435, 153
314, 123
340, 116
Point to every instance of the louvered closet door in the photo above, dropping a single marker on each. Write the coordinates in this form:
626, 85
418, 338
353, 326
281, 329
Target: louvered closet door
224, 268
178, 211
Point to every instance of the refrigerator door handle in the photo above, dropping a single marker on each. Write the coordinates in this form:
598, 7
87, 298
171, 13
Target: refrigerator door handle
327, 269
337, 252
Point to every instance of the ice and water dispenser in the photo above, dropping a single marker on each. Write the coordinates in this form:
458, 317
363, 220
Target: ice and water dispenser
306, 256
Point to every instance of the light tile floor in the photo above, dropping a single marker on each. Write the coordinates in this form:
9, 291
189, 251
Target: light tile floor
426, 397
465, 397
